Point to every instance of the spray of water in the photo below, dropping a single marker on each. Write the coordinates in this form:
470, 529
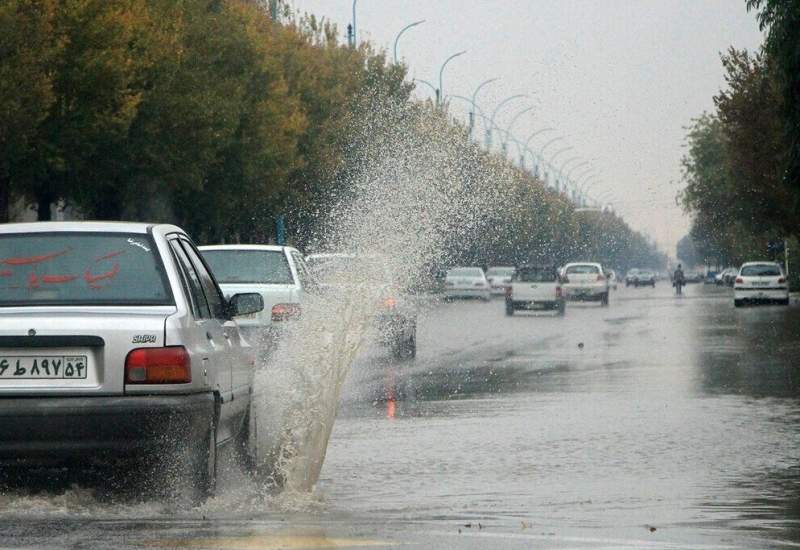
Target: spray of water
415, 190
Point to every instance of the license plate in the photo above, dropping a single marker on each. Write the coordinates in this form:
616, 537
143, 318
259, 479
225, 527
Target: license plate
36, 367
758, 283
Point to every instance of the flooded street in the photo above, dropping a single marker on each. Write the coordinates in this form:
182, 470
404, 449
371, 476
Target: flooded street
657, 422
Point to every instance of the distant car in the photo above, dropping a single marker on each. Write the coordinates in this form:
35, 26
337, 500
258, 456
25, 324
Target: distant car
585, 282
693, 277
278, 273
710, 277
645, 277
760, 282
534, 287
466, 282
396, 313
499, 278
118, 347
631, 277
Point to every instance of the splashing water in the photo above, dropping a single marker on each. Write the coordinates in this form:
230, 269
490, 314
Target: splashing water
415, 189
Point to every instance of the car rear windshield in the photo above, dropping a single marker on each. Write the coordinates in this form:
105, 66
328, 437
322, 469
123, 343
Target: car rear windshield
761, 271
536, 275
249, 266
472, 272
579, 269
81, 269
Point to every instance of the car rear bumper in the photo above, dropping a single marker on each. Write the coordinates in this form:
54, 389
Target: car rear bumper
536, 304
72, 427
466, 292
584, 292
760, 294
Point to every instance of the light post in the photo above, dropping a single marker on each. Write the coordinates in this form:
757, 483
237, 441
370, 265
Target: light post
431, 86
528, 141
404, 29
353, 34
474, 102
572, 170
441, 71
564, 167
494, 114
514, 121
553, 161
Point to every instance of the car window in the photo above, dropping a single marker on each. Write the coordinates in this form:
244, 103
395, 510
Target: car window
582, 269
231, 266
500, 272
762, 270
302, 272
216, 303
200, 306
536, 275
81, 269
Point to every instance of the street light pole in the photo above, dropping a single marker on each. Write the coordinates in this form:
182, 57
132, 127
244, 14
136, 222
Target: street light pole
553, 161
441, 71
474, 103
514, 121
404, 29
431, 86
354, 24
494, 114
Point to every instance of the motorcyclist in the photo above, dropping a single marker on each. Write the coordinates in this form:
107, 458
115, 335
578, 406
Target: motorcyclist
678, 279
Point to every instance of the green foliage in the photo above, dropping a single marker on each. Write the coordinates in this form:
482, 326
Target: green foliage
733, 168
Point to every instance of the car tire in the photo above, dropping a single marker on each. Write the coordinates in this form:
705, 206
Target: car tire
604, 299
738, 303
784, 302
203, 464
561, 309
509, 308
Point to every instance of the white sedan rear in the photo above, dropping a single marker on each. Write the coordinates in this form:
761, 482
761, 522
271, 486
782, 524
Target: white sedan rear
467, 282
760, 282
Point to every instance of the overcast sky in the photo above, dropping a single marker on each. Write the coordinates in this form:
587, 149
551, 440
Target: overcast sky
618, 78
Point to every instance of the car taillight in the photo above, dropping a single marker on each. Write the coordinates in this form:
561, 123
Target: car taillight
601, 278
167, 365
390, 303
558, 292
782, 280
509, 291
285, 312
739, 280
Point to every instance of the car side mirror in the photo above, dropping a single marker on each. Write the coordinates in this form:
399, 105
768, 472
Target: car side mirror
245, 303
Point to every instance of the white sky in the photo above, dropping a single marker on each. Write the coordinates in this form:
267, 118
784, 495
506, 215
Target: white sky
618, 78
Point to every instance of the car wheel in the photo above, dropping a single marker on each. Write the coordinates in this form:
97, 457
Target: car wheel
738, 303
784, 302
509, 308
561, 308
604, 299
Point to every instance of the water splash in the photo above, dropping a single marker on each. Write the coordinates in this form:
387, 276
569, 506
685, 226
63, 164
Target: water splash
414, 190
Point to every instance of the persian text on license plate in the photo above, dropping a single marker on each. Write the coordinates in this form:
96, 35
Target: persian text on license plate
32, 367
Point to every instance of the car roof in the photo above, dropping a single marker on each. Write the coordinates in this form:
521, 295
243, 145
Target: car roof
87, 226
262, 247
583, 263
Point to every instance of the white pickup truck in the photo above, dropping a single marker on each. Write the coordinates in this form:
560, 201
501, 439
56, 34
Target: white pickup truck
535, 287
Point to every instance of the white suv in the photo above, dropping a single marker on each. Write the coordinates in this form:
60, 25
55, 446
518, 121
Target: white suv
760, 282
535, 287
118, 347
584, 281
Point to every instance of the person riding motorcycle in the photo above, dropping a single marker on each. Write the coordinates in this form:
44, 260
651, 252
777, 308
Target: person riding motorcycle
678, 279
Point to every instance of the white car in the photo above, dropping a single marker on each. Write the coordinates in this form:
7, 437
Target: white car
499, 278
467, 282
760, 282
117, 348
585, 282
534, 287
278, 273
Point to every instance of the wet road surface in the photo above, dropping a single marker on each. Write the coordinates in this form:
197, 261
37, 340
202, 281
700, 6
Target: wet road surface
660, 422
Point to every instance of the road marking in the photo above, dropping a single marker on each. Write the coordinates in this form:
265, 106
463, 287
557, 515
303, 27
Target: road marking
269, 542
